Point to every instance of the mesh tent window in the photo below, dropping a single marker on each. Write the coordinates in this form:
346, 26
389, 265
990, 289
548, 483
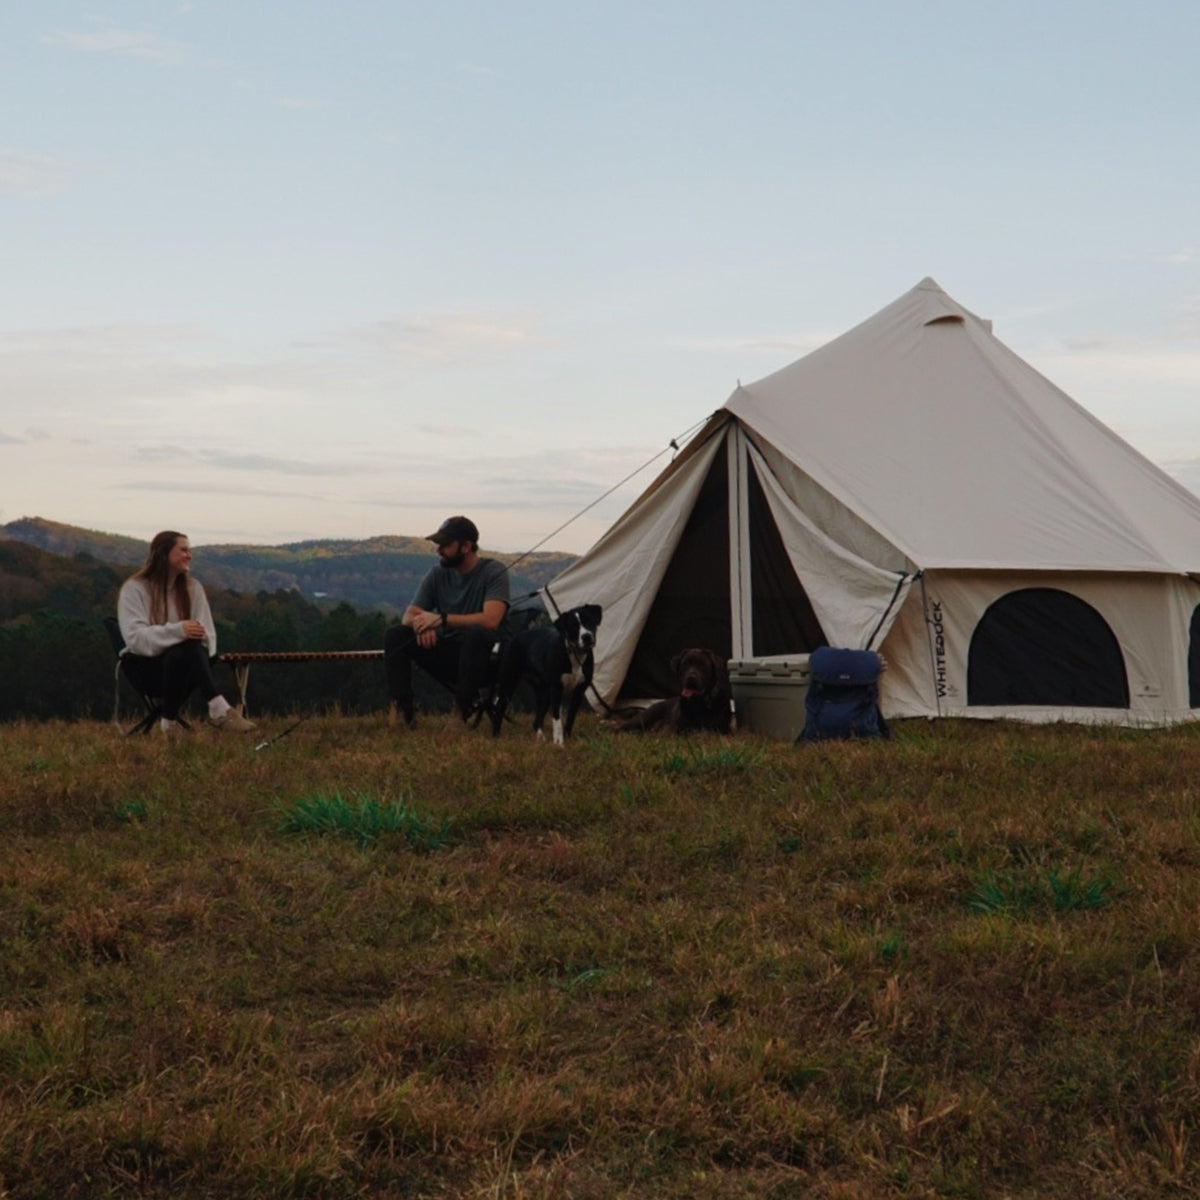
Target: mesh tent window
1045, 647
1194, 660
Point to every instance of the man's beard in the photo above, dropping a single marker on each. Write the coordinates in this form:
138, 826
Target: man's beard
451, 561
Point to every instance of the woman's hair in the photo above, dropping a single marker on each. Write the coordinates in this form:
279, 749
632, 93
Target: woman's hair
156, 571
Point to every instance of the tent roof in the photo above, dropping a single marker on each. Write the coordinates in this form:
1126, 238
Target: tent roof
924, 424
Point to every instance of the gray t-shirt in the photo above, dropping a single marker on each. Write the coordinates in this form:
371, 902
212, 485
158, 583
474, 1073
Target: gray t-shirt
446, 591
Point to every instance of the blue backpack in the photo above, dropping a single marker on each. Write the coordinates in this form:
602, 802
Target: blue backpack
843, 696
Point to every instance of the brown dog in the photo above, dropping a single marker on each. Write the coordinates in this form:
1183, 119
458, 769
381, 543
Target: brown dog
704, 701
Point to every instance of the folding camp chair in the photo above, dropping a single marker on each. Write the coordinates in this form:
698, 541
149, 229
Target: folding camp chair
485, 701
521, 616
143, 675
484, 704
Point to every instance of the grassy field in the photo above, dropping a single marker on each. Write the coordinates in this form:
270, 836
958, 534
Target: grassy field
371, 963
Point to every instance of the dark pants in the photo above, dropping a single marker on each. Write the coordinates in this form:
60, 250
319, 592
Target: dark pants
462, 662
173, 675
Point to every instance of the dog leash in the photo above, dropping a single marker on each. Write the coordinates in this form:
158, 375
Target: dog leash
280, 736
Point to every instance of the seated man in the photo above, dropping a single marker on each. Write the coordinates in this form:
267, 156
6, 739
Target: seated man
452, 623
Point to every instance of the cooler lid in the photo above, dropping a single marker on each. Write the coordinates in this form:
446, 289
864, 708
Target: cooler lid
778, 666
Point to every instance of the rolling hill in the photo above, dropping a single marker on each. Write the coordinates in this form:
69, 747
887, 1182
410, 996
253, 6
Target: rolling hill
379, 572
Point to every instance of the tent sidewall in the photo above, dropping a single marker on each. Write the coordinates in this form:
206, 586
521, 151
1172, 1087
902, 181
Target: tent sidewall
929, 645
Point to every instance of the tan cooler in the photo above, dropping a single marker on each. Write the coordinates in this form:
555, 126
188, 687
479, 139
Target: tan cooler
769, 694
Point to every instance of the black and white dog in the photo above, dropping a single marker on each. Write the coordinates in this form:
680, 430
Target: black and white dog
557, 660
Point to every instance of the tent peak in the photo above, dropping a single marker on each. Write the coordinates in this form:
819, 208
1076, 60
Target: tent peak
938, 307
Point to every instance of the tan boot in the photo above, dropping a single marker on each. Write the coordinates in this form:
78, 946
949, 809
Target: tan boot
232, 722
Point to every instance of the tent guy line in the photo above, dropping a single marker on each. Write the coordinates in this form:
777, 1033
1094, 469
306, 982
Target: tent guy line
672, 445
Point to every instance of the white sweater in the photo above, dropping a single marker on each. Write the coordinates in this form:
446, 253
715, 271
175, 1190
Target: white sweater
149, 640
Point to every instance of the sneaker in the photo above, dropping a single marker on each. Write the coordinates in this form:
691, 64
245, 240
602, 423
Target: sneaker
232, 722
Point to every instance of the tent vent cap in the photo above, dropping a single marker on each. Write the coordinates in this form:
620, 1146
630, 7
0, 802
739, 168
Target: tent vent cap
948, 319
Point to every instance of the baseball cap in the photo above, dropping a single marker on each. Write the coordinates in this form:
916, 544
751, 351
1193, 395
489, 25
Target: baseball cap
455, 529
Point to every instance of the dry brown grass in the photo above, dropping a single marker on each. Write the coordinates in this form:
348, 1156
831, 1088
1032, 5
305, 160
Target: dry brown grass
720, 968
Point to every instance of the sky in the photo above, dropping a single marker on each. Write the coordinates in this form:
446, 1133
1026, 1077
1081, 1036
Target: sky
273, 271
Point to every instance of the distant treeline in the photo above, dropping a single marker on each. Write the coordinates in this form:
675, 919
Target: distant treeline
372, 573
56, 659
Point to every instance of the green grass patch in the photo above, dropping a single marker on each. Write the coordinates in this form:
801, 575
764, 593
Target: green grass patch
363, 819
1037, 891
728, 760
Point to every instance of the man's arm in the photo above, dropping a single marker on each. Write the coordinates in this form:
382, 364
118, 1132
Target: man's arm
419, 615
426, 624
490, 618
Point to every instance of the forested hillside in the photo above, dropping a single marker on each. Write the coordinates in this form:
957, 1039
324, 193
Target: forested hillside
378, 572
56, 659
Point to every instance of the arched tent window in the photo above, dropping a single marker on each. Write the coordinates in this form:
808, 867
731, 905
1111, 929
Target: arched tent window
1194, 660
1044, 646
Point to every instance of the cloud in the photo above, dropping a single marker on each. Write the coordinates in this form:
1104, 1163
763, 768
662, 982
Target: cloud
232, 393
116, 338
125, 42
1102, 343
148, 378
177, 486
1134, 363
1025, 313
577, 478
448, 431
8, 440
793, 344
1186, 324
32, 175
1170, 354
240, 461
448, 338
321, 442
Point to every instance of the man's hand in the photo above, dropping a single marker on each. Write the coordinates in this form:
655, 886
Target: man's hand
424, 626
422, 620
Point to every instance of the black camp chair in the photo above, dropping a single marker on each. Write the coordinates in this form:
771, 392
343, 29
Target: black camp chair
485, 703
527, 612
143, 675
524, 614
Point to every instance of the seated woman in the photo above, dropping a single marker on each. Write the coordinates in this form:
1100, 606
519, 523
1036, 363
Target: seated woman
170, 637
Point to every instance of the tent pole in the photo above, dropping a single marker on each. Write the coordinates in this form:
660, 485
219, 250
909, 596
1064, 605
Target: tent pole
740, 597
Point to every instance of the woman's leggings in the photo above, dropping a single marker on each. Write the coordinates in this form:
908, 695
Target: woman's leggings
173, 675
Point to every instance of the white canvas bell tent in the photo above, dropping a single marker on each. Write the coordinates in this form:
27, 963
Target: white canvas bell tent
913, 487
